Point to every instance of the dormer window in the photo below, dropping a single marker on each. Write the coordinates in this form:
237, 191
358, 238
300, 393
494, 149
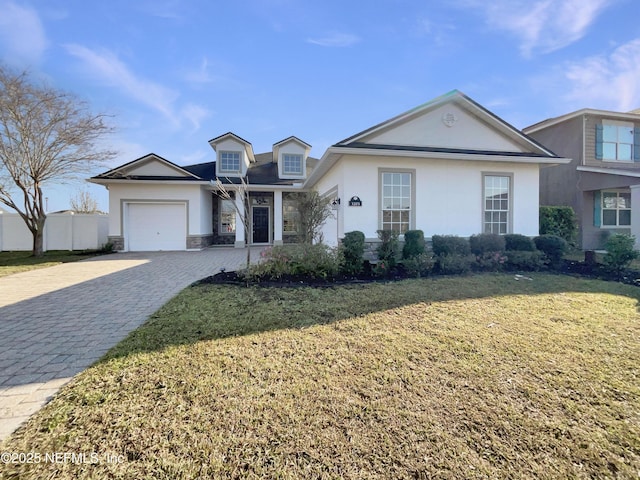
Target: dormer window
229, 162
292, 164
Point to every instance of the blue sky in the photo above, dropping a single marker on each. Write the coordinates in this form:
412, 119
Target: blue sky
176, 73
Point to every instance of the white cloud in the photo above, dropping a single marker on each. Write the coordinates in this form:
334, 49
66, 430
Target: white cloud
195, 114
541, 25
22, 35
202, 74
607, 81
107, 67
335, 40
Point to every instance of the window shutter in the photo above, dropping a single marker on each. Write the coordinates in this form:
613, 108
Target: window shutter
599, 142
636, 144
597, 209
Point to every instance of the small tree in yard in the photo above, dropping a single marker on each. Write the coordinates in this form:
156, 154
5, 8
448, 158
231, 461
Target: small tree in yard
243, 213
46, 135
314, 211
620, 252
84, 202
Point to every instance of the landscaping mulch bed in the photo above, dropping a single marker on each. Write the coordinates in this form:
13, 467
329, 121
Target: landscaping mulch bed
568, 267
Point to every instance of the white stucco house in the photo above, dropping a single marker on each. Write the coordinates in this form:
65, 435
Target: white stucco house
449, 166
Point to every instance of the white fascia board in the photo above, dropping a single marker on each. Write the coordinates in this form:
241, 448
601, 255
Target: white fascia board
610, 171
374, 152
108, 181
585, 111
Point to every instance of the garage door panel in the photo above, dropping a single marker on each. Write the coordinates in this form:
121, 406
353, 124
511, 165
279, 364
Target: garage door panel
154, 226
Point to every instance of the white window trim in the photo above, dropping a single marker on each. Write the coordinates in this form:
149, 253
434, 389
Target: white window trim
298, 173
284, 203
220, 229
219, 166
412, 211
602, 209
617, 124
510, 176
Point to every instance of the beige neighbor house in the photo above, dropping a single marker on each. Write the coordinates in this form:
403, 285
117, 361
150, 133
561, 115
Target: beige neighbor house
447, 167
602, 182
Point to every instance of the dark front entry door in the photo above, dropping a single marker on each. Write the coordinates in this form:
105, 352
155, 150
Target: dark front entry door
260, 225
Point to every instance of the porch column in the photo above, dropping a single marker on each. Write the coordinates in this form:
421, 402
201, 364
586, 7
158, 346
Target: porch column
635, 213
240, 240
277, 217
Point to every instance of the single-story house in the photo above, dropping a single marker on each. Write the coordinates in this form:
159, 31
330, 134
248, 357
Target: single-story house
449, 166
602, 181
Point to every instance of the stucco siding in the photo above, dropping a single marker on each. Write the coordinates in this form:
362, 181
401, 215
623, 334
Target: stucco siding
448, 194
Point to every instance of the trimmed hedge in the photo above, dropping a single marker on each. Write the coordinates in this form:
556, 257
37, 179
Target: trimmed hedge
352, 250
413, 243
553, 247
450, 245
485, 243
520, 243
559, 221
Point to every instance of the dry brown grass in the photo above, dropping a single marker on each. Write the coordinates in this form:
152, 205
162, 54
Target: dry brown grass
455, 380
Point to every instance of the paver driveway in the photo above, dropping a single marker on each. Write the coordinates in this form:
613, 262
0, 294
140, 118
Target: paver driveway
57, 321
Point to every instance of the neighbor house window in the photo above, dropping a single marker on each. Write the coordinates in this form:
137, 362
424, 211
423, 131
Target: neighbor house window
290, 216
615, 141
291, 164
616, 209
396, 201
227, 216
230, 162
497, 203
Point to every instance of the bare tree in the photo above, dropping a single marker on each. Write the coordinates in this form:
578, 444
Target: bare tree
46, 135
314, 211
84, 202
242, 190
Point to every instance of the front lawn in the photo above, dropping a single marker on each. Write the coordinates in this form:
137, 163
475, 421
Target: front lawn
481, 376
15, 262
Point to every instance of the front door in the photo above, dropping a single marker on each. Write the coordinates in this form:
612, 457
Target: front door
260, 221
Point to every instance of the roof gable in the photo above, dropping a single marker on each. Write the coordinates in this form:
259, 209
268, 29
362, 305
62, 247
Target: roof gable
453, 122
150, 165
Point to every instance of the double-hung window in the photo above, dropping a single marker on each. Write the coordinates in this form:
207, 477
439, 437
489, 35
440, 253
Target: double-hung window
497, 203
397, 200
291, 164
616, 209
227, 216
230, 162
617, 141
290, 215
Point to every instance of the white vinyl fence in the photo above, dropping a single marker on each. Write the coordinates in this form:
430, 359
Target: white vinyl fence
62, 231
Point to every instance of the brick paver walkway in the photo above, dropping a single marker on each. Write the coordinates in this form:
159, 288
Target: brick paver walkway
57, 321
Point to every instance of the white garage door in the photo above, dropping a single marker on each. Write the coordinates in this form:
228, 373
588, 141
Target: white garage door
157, 226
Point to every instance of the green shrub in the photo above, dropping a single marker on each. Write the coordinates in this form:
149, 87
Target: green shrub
419, 265
560, 221
553, 247
389, 248
413, 243
352, 250
485, 243
620, 252
449, 245
517, 242
454, 264
490, 261
314, 261
524, 260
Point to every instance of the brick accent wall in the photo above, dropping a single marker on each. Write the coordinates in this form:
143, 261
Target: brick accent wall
117, 242
199, 241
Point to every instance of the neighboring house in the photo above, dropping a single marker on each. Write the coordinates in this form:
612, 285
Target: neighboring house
447, 167
602, 182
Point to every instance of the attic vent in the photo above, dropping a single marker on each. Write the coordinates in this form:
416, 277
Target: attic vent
449, 119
